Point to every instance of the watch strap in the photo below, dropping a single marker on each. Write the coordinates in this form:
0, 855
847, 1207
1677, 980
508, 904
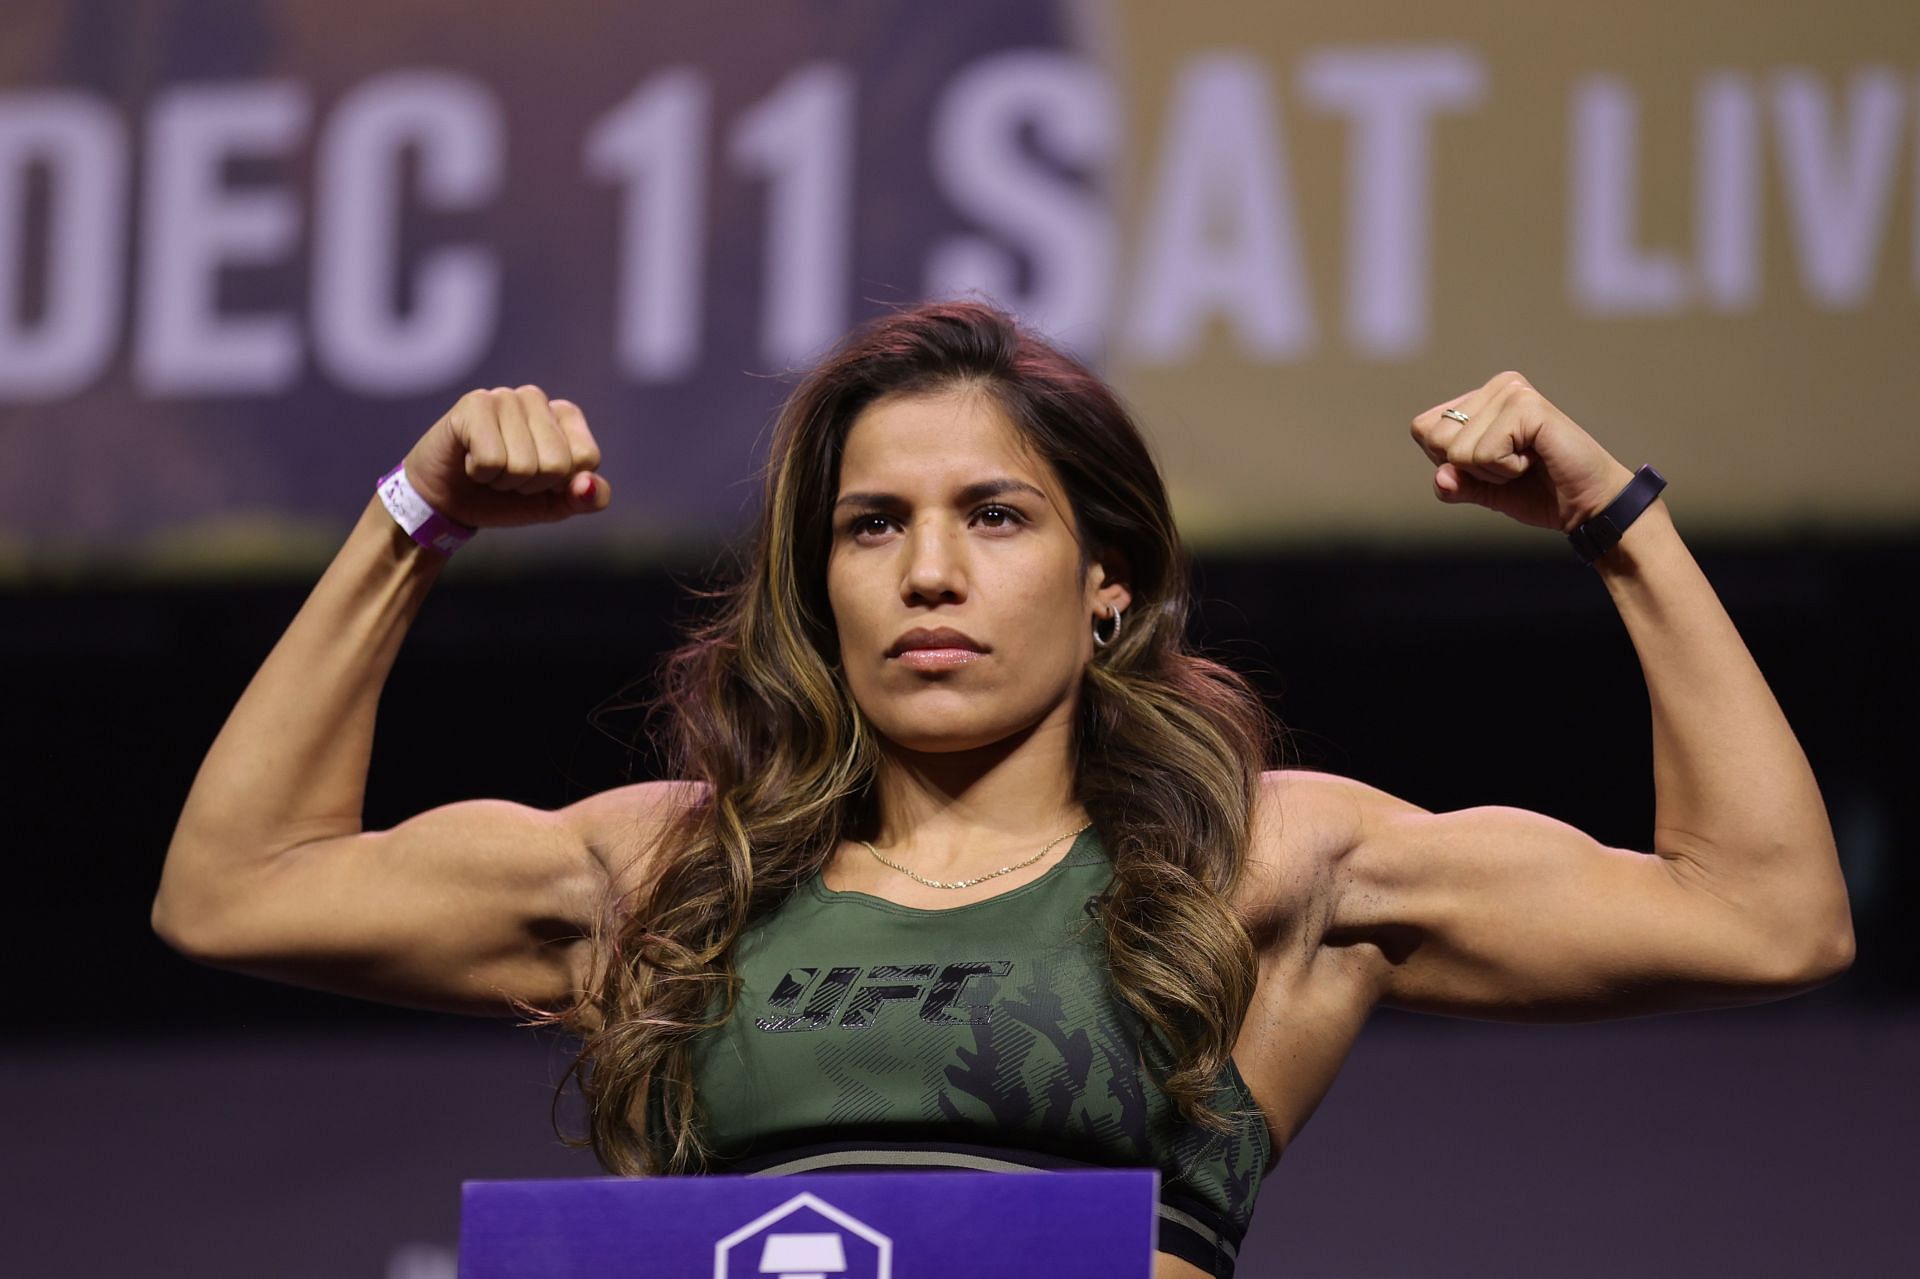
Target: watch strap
1595, 537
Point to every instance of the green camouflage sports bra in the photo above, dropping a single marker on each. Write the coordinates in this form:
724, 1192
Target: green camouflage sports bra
873, 1036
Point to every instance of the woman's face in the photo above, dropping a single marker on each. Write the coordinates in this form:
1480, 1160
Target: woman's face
944, 518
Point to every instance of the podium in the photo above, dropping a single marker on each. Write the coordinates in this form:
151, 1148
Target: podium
1100, 1224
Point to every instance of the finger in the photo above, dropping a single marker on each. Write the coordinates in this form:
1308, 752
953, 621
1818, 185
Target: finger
582, 448
1497, 467
1485, 446
523, 459
1485, 450
1435, 431
587, 492
583, 494
478, 430
1451, 484
549, 443
1503, 474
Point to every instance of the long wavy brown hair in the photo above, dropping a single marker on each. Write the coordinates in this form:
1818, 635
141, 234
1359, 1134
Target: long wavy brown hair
1168, 746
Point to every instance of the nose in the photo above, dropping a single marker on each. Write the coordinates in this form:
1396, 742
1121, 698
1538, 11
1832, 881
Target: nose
935, 570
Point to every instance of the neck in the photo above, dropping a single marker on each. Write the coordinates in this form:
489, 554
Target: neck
955, 810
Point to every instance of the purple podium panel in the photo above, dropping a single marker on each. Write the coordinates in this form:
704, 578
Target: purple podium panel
1101, 1224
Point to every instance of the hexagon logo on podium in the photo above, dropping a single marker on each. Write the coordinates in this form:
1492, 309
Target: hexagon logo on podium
804, 1238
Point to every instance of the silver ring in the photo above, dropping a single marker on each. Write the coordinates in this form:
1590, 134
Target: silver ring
1455, 414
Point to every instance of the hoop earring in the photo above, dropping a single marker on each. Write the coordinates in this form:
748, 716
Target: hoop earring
1111, 635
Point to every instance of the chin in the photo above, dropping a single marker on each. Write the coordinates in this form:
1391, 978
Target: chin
944, 740
936, 729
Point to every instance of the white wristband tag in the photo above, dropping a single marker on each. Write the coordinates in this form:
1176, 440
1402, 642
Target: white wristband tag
411, 512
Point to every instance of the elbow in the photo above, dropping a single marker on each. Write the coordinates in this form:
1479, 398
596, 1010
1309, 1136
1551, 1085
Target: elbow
168, 926
182, 929
1778, 965
1819, 922
1817, 964
185, 907
1835, 957
1834, 947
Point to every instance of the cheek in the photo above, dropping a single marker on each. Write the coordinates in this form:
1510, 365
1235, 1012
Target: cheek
843, 598
1047, 632
858, 612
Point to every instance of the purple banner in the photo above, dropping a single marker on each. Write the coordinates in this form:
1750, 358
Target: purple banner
250, 253
926, 1225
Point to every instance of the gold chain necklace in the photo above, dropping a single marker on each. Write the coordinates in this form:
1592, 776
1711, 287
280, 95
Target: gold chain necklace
969, 883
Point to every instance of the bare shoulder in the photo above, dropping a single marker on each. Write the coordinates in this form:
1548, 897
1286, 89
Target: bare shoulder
1306, 826
1307, 819
621, 828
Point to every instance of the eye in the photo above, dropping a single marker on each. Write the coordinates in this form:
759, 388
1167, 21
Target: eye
864, 523
875, 522
1008, 516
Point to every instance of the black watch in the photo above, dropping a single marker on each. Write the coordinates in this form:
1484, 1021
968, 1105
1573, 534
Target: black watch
1594, 538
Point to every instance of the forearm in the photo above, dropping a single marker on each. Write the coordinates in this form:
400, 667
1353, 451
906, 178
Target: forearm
1734, 796
290, 763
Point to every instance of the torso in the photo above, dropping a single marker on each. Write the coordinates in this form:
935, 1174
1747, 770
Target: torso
1311, 997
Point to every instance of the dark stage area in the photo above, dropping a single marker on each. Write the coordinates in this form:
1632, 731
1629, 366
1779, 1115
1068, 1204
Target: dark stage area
1453, 682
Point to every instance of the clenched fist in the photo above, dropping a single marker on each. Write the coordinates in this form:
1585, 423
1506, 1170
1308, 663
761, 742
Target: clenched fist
505, 457
1507, 447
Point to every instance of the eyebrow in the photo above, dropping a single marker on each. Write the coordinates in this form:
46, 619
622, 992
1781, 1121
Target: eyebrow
974, 492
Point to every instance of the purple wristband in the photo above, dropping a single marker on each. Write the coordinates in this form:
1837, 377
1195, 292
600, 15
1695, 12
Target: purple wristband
423, 524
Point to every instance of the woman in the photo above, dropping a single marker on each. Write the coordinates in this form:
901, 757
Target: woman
965, 860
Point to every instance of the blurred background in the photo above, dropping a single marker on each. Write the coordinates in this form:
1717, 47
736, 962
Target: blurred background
249, 252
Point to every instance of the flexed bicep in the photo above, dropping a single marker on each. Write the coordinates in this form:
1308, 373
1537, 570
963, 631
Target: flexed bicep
1504, 913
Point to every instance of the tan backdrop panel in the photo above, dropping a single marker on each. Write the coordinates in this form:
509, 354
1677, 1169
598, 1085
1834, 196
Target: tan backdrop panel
1692, 227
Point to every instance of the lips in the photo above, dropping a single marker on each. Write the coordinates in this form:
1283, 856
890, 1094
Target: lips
936, 637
